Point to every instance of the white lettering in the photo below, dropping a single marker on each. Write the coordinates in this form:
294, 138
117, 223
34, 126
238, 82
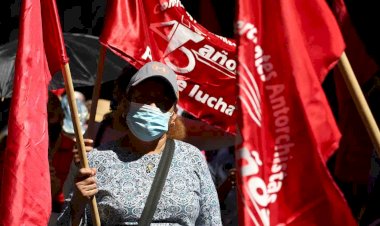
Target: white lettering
230, 110
275, 89
181, 85
211, 102
231, 65
222, 104
252, 166
258, 191
199, 97
221, 58
282, 137
281, 121
193, 90
248, 29
220, 55
167, 5
183, 70
147, 54
226, 40
206, 51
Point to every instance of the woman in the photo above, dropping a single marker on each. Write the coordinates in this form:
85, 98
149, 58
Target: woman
125, 168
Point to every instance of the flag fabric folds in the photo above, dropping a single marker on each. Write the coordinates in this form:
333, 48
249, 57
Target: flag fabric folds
141, 31
285, 49
25, 192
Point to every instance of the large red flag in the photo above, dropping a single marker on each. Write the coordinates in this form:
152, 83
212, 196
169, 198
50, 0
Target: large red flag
142, 30
285, 49
355, 149
25, 192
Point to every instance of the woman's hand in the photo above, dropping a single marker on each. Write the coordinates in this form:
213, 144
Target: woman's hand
85, 183
88, 143
85, 189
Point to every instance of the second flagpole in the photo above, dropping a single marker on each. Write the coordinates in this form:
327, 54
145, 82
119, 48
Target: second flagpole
360, 101
95, 92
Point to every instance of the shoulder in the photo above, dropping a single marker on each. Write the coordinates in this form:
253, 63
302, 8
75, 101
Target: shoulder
189, 152
186, 148
103, 152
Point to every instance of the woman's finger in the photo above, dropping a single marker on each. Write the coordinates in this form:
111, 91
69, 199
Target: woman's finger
90, 187
86, 181
85, 173
89, 148
89, 142
89, 194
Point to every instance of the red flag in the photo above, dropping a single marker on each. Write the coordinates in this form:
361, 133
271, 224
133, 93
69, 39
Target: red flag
355, 149
142, 30
285, 49
25, 195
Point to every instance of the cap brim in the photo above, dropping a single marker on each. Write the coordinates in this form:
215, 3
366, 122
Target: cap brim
176, 94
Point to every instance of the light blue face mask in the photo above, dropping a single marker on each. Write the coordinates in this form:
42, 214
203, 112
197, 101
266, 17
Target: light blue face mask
146, 122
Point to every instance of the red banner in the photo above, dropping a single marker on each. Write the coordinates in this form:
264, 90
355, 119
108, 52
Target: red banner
285, 49
25, 191
141, 31
52, 33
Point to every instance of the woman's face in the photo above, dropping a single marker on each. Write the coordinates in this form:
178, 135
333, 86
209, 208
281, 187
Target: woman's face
154, 92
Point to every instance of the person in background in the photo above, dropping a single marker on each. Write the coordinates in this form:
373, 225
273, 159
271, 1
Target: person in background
63, 154
110, 127
55, 120
223, 172
125, 168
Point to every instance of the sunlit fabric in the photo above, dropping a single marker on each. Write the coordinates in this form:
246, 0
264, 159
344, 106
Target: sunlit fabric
285, 50
25, 194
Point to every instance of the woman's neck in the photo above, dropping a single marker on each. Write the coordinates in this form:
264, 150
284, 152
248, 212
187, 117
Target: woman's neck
143, 147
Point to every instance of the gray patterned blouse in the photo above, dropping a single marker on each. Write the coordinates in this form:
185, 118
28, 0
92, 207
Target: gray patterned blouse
124, 179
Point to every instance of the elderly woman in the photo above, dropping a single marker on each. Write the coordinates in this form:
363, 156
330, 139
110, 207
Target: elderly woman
124, 170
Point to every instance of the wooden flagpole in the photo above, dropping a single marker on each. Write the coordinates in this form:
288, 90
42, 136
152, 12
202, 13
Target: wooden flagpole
360, 101
96, 92
78, 134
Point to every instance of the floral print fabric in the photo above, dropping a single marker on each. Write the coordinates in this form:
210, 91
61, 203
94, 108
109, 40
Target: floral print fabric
124, 179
